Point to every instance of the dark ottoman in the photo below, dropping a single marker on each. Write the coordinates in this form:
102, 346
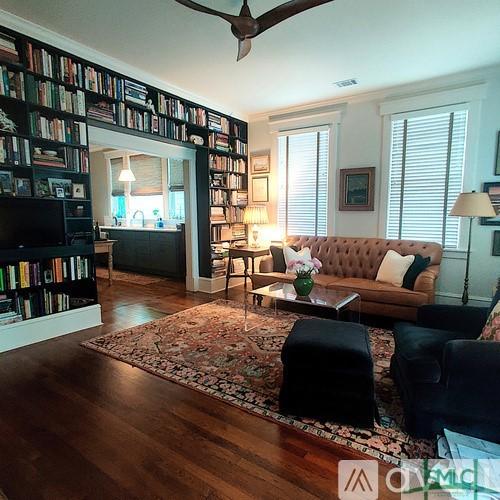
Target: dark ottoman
328, 372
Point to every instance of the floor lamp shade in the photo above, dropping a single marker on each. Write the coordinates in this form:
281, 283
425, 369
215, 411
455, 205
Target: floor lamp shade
471, 205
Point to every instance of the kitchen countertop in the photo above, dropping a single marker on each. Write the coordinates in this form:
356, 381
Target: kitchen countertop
152, 229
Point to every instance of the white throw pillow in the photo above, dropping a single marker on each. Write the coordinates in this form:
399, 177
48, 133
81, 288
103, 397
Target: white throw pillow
291, 254
393, 268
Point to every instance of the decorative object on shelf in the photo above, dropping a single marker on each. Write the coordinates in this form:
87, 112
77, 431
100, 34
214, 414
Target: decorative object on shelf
255, 214
59, 192
151, 106
471, 205
495, 251
126, 174
493, 190
260, 164
260, 189
22, 186
304, 269
245, 27
78, 211
6, 180
357, 189
196, 139
6, 124
42, 189
79, 191
64, 184
497, 166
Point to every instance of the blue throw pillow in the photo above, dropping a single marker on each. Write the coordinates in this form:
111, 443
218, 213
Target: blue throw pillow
419, 264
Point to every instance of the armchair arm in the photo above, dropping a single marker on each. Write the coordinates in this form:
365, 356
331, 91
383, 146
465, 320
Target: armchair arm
472, 366
426, 282
266, 264
467, 320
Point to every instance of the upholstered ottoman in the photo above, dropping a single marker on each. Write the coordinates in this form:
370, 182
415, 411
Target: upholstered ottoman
328, 372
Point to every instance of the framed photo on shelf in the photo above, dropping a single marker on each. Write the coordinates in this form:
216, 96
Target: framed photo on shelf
357, 187
79, 191
42, 189
22, 186
6, 180
260, 189
260, 164
493, 190
497, 164
495, 251
64, 184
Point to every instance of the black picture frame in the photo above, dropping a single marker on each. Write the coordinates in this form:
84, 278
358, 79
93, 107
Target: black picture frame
495, 248
22, 186
493, 190
6, 183
497, 164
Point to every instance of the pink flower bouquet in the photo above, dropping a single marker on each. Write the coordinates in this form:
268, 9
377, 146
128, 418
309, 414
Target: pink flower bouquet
304, 268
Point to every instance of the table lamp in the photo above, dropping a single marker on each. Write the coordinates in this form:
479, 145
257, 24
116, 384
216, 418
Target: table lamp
471, 205
255, 214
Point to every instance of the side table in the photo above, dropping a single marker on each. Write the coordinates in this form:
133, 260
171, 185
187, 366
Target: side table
244, 253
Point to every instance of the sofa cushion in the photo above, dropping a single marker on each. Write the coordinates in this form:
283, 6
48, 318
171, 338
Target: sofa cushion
393, 268
419, 351
374, 291
279, 264
264, 279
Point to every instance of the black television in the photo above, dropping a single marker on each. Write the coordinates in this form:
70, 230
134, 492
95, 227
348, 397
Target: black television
28, 223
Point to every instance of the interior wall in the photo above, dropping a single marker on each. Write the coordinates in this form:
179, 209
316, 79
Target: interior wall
100, 186
360, 145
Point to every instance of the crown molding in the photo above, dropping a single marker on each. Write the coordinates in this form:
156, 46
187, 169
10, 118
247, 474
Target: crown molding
50, 37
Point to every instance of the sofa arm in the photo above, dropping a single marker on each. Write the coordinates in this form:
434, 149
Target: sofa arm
266, 264
467, 320
472, 366
426, 282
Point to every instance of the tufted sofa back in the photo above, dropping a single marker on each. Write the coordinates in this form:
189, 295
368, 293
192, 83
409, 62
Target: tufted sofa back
361, 257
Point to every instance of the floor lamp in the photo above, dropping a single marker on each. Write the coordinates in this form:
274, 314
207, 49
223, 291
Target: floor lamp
471, 205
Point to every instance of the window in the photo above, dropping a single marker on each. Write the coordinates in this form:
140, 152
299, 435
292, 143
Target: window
176, 189
303, 183
426, 175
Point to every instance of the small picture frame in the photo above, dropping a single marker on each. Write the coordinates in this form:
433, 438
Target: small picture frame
495, 250
79, 191
357, 186
42, 189
59, 192
6, 182
260, 189
497, 164
64, 184
493, 190
48, 276
260, 164
22, 186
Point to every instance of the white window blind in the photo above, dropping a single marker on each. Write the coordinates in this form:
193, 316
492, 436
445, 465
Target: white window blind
303, 183
426, 175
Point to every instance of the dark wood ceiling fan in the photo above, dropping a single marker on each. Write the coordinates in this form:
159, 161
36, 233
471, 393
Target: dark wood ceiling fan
245, 27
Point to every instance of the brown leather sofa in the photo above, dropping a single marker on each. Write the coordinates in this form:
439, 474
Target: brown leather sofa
352, 264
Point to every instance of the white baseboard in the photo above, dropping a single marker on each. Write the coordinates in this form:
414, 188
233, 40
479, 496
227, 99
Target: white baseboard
47, 327
448, 297
214, 285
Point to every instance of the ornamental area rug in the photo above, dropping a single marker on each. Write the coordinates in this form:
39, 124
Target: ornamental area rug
206, 348
133, 278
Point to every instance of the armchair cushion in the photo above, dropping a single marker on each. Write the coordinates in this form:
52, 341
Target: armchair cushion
469, 321
491, 330
419, 351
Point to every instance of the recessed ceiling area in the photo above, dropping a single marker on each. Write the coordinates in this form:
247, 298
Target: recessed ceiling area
381, 43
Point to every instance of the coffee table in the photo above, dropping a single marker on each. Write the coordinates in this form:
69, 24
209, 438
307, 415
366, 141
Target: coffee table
337, 301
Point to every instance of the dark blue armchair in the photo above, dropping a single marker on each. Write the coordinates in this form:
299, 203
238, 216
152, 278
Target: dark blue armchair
447, 378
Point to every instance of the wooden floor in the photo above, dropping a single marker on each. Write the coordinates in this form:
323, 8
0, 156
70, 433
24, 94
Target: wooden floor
77, 424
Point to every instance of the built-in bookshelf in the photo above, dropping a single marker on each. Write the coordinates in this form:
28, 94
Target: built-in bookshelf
53, 96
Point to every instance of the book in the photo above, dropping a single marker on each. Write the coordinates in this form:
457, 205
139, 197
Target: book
11, 83
15, 151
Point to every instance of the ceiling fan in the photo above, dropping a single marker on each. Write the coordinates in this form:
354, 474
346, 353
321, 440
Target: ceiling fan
245, 27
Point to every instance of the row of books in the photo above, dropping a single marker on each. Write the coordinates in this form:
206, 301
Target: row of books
234, 214
56, 129
172, 130
240, 147
26, 274
238, 130
40, 303
218, 197
103, 83
135, 93
54, 66
141, 120
218, 123
15, 150
76, 160
11, 82
225, 215
103, 111
217, 215
226, 232
218, 141
55, 96
226, 180
227, 164
8, 48
171, 106
196, 115
239, 198
218, 268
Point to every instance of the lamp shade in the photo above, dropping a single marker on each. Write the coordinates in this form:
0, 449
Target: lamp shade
255, 214
473, 205
126, 175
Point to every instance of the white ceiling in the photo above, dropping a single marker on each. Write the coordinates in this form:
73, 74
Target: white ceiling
380, 42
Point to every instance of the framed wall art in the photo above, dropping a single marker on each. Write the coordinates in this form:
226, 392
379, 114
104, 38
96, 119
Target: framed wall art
497, 163
260, 189
260, 164
357, 187
493, 190
495, 251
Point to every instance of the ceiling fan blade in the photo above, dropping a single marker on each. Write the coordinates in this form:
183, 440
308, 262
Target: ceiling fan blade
244, 47
207, 10
284, 11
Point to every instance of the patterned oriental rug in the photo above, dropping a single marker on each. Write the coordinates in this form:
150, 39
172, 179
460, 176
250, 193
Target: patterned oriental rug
207, 349
134, 278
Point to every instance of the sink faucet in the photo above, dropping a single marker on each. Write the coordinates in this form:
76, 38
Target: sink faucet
139, 212
115, 220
